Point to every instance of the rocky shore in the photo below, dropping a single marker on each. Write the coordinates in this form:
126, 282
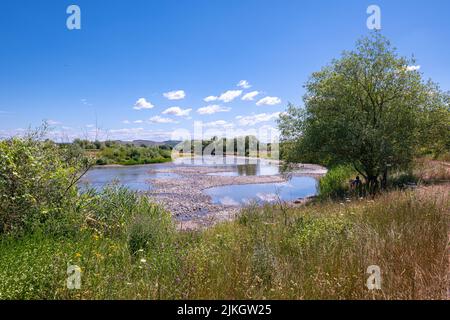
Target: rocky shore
193, 209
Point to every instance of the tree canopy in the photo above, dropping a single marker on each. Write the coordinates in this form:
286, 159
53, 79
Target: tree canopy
371, 109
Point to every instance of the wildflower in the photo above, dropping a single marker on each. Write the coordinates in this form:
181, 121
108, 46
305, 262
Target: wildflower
77, 255
143, 260
98, 255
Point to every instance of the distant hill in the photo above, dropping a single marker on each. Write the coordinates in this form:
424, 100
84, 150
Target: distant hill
149, 143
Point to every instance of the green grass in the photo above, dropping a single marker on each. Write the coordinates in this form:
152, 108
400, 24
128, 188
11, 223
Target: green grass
320, 251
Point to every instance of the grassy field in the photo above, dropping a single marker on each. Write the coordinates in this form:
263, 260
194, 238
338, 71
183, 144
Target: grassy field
320, 251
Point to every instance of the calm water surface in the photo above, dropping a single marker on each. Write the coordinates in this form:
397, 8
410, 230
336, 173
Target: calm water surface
137, 178
235, 195
133, 177
237, 166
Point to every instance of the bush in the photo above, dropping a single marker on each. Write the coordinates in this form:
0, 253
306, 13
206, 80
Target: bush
38, 184
335, 184
101, 161
401, 180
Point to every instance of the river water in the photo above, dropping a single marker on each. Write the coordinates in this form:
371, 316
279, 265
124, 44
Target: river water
137, 178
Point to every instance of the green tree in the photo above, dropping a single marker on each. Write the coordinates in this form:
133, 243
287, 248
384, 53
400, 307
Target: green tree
366, 109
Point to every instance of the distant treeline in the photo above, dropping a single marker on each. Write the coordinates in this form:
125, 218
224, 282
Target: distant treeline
248, 146
124, 153
146, 152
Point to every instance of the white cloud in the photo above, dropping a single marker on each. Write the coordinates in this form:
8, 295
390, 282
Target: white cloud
244, 84
142, 103
212, 109
177, 111
90, 126
85, 102
270, 101
257, 118
268, 133
158, 119
218, 123
138, 133
53, 122
250, 96
126, 121
210, 99
175, 95
68, 135
138, 121
230, 95
265, 133
412, 68
227, 96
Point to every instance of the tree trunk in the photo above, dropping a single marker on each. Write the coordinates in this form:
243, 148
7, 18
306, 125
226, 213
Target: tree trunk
372, 184
384, 179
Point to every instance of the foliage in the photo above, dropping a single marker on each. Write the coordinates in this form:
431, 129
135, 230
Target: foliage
248, 146
368, 110
434, 123
131, 155
115, 152
335, 184
38, 184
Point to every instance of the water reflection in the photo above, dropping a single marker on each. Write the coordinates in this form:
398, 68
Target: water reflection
235, 166
133, 177
235, 195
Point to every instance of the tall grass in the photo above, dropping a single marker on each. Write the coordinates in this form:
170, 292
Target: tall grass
323, 251
430, 171
320, 251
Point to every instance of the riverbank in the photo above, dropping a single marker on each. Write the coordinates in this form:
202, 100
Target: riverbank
193, 209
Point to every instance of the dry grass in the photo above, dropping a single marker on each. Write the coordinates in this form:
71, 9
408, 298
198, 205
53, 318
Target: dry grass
431, 171
323, 251
320, 251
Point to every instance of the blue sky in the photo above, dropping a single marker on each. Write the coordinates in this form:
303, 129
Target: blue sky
130, 51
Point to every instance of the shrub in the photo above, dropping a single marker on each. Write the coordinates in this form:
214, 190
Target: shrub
335, 184
402, 179
101, 161
37, 183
